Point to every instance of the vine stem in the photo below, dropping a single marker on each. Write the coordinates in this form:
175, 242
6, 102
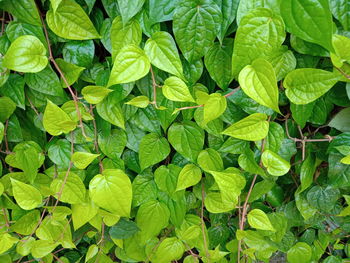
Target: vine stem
95, 140
51, 58
154, 87
205, 243
243, 216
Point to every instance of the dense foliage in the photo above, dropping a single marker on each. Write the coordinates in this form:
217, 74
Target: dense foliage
175, 130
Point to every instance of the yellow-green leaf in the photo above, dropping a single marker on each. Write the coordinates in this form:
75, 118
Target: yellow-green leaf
27, 196
82, 159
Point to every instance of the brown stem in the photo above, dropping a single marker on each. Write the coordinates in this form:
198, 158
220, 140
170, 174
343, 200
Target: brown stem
51, 58
154, 87
343, 73
7, 223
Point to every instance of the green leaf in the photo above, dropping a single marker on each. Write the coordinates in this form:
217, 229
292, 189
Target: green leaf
161, 10
162, 52
27, 196
228, 10
187, 138
259, 82
169, 250
27, 223
204, 19
345, 160
80, 53
7, 107
274, 163
117, 138
130, 64
283, 62
123, 35
24, 10
95, 94
71, 187
151, 218
341, 121
210, 160
45, 81
112, 191
252, 128
259, 220
71, 22
139, 101
260, 33
301, 252
323, 198
153, 149
340, 10
127, 10
311, 20
82, 159
306, 85
214, 107
70, 71
123, 229
302, 112
109, 109
56, 121
41, 248
189, 176
23, 248
218, 62
176, 90
26, 54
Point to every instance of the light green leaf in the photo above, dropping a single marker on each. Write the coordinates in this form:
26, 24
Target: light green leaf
123, 35
203, 17
95, 94
259, 82
259, 220
112, 191
176, 90
72, 187
255, 127
71, 72
230, 183
56, 121
82, 159
153, 149
128, 10
26, 54
190, 175
6, 242
71, 22
210, 160
27, 223
162, 52
345, 160
110, 110
214, 107
139, 101
218, 62
274, 163
151, 218
27, 196
311, 20
228, 10
23, 248
301, 252
42, 248
341, 45
260, 33
308, 84
130, 64
1, 189
83, 212
91, 252
169, 250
